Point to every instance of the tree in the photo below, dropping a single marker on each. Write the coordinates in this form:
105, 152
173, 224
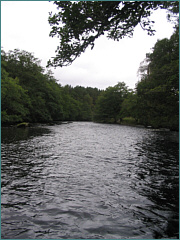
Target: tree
80, 102
129, 106
109, 103
14, 100
79, 23
21, 64
53, 98
25, 75
158, 91
30, 94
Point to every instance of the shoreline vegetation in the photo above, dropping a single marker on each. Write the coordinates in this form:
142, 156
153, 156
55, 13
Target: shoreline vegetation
125, 122
30, 94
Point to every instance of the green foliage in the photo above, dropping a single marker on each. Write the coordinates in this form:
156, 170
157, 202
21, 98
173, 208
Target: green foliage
158, 91
109, 103
79, 102
129, 121
79, 23
129, 106
30, 94
14, 99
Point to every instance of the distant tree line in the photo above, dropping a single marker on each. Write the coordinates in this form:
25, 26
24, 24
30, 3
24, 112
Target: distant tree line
30, 94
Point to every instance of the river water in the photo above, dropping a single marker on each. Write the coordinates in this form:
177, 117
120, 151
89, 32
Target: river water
86, 180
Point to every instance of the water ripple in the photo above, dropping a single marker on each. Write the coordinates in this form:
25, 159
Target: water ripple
87, 180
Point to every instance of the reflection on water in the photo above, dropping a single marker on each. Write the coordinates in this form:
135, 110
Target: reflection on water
158, 180
87, 180
13, 134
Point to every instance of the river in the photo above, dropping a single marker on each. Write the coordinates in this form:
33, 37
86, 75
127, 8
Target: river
86, 180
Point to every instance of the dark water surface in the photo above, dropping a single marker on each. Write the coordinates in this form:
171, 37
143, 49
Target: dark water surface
89, 180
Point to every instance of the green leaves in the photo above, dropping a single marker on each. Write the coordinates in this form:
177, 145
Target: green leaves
14, 99
109, 103
158, 90
79, 24
29, 94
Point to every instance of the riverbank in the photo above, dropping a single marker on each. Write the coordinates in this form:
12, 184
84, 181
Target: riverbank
33, 124
127, 121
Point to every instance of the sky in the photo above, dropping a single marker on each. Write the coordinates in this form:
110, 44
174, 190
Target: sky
24, 26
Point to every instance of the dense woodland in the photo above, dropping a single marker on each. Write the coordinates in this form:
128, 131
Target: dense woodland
30, 93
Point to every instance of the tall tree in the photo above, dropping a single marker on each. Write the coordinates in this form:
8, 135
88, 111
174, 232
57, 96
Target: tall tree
79, 23
24, 72
158, 91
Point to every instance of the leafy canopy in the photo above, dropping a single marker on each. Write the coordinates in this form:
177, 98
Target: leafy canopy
109, 103
158, 90
30, 94
79, 23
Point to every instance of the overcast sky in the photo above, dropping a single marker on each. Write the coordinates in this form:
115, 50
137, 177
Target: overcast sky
24, 25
